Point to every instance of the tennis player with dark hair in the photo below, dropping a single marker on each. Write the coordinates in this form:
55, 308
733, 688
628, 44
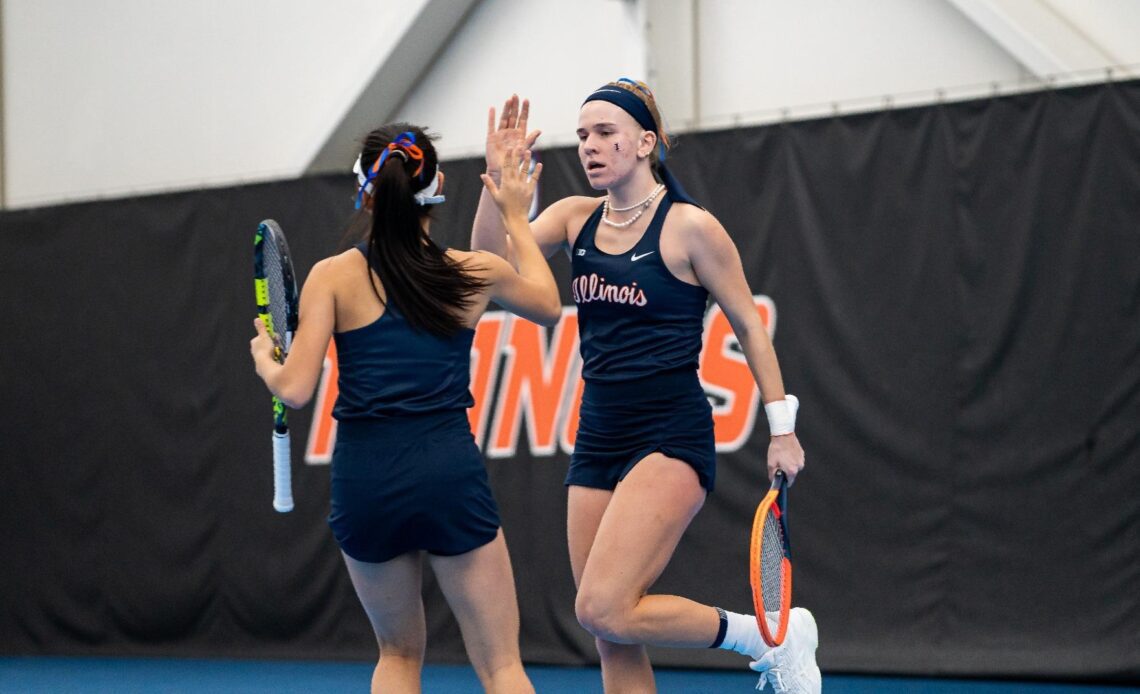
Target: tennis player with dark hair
645, 259
407, 477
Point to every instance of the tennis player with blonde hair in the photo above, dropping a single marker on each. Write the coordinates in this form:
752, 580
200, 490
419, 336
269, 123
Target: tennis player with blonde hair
407, 477
645, 259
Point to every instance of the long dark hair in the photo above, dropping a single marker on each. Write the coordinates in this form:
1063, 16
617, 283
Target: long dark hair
430, 290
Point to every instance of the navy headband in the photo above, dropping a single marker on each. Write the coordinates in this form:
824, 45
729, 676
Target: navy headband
634, 106
628, 102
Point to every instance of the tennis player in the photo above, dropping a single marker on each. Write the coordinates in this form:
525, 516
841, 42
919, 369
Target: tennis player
407, 478
645, 259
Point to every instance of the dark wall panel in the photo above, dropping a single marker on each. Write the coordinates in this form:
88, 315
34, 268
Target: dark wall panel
958, 308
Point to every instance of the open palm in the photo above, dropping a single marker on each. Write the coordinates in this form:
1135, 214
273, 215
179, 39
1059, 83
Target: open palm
508, 132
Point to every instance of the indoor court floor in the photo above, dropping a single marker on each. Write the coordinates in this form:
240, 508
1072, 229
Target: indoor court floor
40, 675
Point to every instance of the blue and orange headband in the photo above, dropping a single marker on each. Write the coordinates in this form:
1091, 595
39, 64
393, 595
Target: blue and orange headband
404, 146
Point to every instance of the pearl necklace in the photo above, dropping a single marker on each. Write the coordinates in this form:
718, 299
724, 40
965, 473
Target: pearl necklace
644, 205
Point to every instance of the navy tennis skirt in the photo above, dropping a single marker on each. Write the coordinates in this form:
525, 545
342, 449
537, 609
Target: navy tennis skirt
409, 483
621, 423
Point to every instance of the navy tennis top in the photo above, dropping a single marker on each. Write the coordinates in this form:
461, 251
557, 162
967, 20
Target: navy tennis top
635, 318
387, 369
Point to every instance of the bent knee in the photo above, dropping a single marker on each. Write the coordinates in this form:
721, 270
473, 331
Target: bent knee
603, 616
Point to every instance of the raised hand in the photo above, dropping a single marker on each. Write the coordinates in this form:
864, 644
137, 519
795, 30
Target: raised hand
515, 190
508, 132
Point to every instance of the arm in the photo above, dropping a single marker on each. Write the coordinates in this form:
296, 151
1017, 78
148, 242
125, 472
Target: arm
488, 232
294, 381
716, 263
531, 292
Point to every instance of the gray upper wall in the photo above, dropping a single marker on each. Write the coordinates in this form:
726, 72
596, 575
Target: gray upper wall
130, 97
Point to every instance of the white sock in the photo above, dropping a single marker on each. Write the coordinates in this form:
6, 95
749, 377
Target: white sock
743, 636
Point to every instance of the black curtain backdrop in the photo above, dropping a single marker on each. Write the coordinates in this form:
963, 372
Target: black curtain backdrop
958, 296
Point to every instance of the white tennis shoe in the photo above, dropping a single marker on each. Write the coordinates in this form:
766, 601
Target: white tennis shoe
790, 667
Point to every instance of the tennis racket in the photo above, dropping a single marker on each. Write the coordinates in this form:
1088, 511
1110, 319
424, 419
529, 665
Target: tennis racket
275, 286
771, 564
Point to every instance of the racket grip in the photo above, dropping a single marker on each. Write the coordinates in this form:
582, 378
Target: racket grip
282, 474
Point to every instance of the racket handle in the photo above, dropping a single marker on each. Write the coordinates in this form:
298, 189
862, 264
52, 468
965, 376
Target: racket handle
282, 479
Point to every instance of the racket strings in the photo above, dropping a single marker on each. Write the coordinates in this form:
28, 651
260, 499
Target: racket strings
275, 282
771, 562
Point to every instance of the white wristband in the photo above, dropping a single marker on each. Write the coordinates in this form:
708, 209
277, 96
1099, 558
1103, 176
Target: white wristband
782, 415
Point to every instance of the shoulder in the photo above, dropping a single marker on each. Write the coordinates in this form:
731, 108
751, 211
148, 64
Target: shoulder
568, 216
573, 207
324, 270
351, 259
700, 238
579, 202
331, 271
696, 226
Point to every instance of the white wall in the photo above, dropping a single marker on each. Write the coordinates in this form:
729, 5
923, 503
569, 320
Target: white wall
1112, 24
791, 55
554, 53
119, 97
115, 97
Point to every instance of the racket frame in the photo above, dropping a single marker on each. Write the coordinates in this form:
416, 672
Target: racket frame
270, 229
775, 500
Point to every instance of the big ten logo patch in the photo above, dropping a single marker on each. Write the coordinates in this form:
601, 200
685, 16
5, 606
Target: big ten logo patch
527, 384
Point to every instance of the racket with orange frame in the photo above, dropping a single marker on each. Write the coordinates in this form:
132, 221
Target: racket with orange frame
770, 571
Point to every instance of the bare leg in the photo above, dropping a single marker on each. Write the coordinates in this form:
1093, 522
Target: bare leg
638, 530
391, 595
480, 589
625, 667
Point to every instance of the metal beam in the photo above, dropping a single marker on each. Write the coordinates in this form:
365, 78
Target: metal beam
409, 60
1036, 35
673, 47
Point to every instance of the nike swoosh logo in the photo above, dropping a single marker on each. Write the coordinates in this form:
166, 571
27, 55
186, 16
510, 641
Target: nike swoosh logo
635, 257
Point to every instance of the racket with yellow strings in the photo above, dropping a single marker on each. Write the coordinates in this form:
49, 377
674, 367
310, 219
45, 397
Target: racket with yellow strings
275, 286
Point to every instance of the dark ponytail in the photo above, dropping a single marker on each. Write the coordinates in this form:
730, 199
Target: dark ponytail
430, 290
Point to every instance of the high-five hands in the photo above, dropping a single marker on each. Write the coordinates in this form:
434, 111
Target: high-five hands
515, 189
508, 132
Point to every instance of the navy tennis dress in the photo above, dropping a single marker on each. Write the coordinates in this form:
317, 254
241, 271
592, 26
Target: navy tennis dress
406, 473
640, 330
